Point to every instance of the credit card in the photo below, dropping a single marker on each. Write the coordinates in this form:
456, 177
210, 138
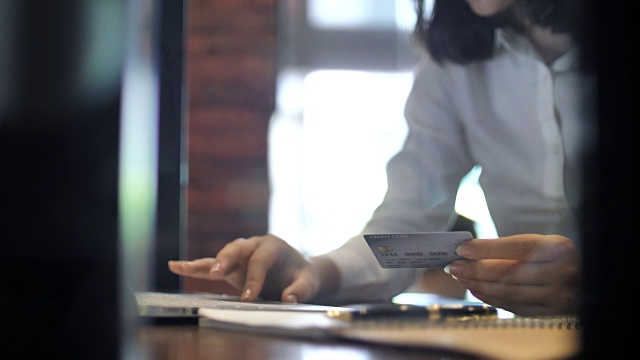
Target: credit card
429, 250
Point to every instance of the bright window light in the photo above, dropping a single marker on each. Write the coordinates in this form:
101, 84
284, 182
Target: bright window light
328, 157
351, 14
472, 204
328, 162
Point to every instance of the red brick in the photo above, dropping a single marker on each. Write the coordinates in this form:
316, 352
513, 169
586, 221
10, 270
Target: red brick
230, 77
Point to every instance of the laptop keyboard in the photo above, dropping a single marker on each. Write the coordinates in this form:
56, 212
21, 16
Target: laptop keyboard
219, 301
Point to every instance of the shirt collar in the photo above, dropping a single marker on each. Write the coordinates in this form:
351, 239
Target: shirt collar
512, 41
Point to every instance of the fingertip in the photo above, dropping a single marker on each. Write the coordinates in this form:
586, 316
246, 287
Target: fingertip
297, 292
448, 268
175, 265
247, 294
464, 250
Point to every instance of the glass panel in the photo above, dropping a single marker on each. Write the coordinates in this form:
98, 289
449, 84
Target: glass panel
334, 131
345, 135
353, 14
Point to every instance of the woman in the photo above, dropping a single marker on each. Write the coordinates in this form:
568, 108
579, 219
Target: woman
497, 87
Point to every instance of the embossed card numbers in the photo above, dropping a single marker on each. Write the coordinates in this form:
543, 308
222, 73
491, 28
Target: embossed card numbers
431, 250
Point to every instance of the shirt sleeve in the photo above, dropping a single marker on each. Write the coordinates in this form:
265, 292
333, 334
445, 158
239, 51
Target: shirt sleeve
422, 182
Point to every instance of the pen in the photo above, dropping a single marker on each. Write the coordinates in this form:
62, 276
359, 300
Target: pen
435, 312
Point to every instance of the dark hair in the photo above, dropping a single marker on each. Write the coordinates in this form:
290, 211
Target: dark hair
455, 33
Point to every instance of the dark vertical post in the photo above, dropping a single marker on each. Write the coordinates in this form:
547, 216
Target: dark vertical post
611, 241
172, 158
59, 129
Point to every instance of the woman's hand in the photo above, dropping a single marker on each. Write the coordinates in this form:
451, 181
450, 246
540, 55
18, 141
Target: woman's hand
264, 266
526, 274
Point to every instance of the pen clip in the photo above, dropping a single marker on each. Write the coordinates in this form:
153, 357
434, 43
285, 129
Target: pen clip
433, 312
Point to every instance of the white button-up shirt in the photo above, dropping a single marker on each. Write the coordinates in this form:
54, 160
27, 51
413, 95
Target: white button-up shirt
522, 121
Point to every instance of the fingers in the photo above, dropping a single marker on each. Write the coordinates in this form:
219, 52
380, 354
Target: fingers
505, 271
261, 260
301, 289
200, 268
526, 288
529, 247
233, 255
260, 266
525, 274
524, 299
522, 259
227, 260
229, 265
526, 308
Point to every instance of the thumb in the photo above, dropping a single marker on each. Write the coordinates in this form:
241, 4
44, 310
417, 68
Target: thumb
303, 288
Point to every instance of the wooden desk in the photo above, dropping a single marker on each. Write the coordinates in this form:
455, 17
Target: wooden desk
191, 342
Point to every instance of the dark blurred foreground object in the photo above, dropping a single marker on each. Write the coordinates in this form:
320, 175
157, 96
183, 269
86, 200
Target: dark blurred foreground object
59, 129
79, 95
611, 201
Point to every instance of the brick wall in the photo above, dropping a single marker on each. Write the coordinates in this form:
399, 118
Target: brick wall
230, 73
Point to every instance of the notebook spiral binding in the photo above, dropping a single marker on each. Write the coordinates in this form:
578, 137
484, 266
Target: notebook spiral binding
564, 322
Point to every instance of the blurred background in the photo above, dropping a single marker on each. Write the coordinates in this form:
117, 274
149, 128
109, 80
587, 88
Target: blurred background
294, 109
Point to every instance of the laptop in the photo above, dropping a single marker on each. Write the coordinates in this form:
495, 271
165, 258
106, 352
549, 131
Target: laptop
166, 307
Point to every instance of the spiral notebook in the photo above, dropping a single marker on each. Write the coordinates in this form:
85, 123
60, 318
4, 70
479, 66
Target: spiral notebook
518, 338
515, 338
